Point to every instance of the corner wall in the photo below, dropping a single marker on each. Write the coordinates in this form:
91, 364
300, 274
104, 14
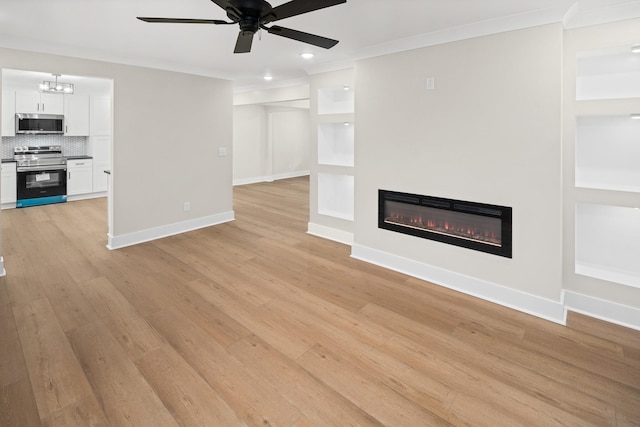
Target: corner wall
165, 144
489, 132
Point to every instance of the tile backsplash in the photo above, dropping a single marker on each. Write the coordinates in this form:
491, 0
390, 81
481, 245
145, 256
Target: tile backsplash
71, 145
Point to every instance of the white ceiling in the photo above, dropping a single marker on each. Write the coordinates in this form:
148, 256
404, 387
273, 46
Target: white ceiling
108, 30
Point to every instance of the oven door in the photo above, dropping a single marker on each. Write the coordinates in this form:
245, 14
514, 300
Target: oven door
40, 185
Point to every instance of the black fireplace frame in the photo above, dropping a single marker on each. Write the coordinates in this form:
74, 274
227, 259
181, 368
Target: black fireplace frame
503, 213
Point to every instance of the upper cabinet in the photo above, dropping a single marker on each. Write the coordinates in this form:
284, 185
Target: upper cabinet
39, 103
76, 115
8, 113
100, 115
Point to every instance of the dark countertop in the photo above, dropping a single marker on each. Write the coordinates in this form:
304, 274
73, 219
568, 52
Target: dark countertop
68, 158
78, 157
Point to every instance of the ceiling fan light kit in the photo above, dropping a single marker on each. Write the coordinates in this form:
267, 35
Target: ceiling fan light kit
253, 15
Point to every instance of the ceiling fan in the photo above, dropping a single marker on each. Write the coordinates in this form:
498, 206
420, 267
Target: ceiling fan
252, 15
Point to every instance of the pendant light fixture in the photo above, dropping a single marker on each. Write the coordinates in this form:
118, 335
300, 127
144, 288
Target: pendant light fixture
56, 87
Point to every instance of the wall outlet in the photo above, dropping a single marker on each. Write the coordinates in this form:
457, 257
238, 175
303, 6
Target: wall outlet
187, 206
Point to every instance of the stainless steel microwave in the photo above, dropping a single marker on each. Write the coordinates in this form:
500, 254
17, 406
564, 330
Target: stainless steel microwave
39, 123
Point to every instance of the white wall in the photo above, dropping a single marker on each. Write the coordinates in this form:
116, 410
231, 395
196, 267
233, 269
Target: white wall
249, 143
281, 94
167, 129
269, 142
290, 136
490, 132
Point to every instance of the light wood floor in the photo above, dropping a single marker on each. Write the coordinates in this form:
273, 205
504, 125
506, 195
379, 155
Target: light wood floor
256, 323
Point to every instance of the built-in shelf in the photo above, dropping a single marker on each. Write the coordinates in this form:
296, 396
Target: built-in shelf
336, 100
336, 144
335, 195
608, 243
332, 171
611, 73
608, 153
607, 159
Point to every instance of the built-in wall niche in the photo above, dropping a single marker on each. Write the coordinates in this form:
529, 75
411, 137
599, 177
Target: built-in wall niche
611, 73
608, 153
338, 100
336, 144
335, 195
608, 243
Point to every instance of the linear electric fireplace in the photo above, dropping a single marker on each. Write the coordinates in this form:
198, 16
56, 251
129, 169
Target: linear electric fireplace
478, 226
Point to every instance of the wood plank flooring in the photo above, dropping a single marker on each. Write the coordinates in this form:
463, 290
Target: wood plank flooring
256, 323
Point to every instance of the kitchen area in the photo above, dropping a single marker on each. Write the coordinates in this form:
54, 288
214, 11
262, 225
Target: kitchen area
56, 138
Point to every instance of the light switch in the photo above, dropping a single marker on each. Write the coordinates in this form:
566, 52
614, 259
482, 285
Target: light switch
222, 151
431, 83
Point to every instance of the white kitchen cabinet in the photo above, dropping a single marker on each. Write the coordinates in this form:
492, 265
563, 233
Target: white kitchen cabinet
100, 149
100, 115
8, 113
35, 102
76, 115
100, 178
8, 190
79, 176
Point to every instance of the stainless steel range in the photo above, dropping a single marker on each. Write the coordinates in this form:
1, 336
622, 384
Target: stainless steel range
41, 175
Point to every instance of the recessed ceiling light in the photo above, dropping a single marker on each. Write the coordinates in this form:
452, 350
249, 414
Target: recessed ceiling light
307, 55
635, 49
346, 87
635, 116
268, 78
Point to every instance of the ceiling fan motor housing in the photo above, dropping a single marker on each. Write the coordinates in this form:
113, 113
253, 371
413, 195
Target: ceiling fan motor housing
252, 14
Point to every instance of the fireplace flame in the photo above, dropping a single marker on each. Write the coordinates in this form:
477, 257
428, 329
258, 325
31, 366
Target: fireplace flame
449, 223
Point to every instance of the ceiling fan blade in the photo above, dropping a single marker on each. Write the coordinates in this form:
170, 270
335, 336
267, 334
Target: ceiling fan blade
184, 21
222, 3
298, 7
231, 10
303, 37
243, 44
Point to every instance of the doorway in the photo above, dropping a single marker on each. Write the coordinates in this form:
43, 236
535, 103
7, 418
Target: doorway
87, 139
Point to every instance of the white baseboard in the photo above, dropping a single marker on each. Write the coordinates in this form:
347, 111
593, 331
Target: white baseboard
252, 180
330, 233
77, 197
116, 242
3, 272
612, 312
287, 175
270, 178
518, 300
